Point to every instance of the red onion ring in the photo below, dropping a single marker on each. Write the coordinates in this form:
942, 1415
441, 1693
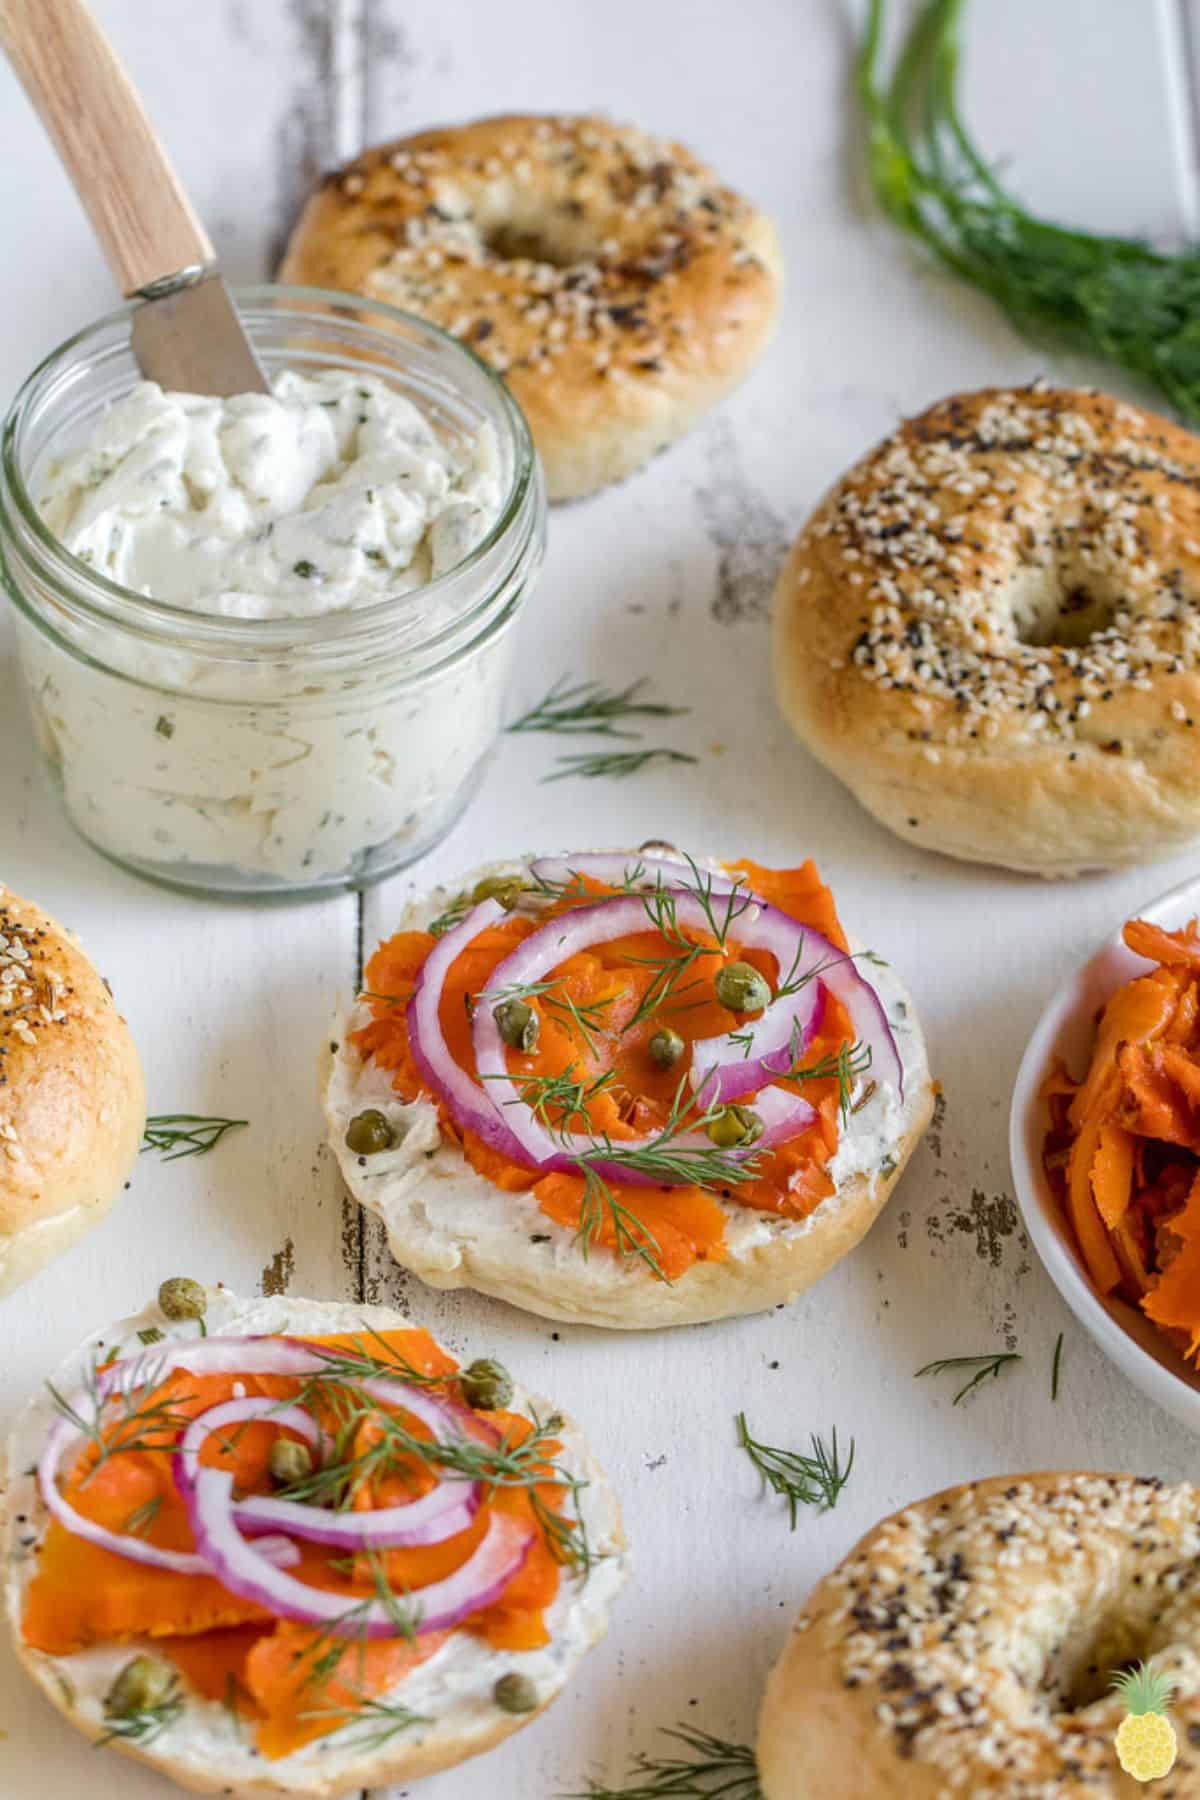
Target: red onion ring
255, 1356
239, 1566
784, 1114
469, 1105
620, 870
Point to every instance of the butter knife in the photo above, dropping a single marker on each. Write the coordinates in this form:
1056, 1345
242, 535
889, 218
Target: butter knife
186, 332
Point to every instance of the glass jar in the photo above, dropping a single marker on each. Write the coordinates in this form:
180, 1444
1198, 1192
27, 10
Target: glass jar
279, 756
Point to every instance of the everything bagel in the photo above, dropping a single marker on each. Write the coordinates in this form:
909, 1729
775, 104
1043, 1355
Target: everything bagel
617, 286
989, 630
967, 1646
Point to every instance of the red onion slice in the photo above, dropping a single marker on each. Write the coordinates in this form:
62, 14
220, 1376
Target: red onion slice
442, 1513
620, 870
470, 1106
238, 1565
282, 1356
798, 950
784, 1114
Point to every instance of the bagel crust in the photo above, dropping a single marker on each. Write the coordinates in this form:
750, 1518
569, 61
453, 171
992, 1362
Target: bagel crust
454, 1228
989, 630
72, 1098
966, 1646
205, 1750
611, 279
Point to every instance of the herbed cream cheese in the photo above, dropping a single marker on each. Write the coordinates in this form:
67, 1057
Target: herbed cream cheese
332, 491
457, 1228
255, 770
452, 1692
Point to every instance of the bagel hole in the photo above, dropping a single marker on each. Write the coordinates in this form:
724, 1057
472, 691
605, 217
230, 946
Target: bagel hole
1082, 1672
1056, 608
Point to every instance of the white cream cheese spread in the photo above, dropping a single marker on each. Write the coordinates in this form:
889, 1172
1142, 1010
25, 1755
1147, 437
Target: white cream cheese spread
280, 769
332, 491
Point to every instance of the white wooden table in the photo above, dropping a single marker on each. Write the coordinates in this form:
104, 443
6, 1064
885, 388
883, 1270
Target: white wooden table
667, 576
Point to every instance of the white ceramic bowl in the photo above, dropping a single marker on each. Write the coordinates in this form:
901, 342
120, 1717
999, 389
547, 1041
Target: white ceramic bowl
1066, 1029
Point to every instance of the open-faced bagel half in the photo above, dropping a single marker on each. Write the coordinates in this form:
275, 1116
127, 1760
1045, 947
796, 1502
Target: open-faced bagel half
72, 1606
589, 1246
968, 1645
615, 283
72, 1098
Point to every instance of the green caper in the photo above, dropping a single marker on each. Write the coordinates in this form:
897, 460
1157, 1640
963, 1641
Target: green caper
515, 1693
142, 1685
507, 889
734, 1127
369, 1132
741, 988
288, 1461
487, 1384
182, 1298
666, 1047
517, 1024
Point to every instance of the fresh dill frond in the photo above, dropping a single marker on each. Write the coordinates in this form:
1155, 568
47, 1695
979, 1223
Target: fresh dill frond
1056, 1367
142, 1517
631, 1237
593, 764
845, 1065
985, 1368
712, 1769
815, 1480
148, 1722
374, 1722
1099, 294
588, 707
454, 915
186, 1134
122, 1421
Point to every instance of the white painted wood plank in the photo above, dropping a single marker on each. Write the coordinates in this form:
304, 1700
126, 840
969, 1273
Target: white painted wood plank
228, 1003
667, 575
670, 575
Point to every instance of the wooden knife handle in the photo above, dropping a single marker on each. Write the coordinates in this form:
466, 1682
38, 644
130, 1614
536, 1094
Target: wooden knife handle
89, 106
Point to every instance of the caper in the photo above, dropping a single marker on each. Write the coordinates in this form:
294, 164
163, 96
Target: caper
288, 1462
515, 1693
666, 1047
182, 1298
487, 1384
741, 988
142, 1685
734, 1126
517, 1024
369, 1132
507, 889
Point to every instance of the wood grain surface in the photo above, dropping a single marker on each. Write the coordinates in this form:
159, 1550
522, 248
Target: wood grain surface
668, 576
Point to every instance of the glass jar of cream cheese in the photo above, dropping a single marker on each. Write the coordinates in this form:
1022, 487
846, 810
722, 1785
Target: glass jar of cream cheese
266, 640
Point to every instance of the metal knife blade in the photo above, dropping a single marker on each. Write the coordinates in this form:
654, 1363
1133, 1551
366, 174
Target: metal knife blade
190, 340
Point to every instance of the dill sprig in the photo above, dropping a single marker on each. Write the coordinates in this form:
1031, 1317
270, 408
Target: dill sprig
123, 1421
186, 1134
454, 915
375, 1722
847, 1064
142, 1517
1103, 295
985, 1368
581, 707
593, 764
712, 1767
1056, 1367
631, 1235
148, 1722
815, 1480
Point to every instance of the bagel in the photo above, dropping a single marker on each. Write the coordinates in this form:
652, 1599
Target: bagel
616, 285
460, 1216
968, 1643
212, 1745
72, 1098
989, 630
